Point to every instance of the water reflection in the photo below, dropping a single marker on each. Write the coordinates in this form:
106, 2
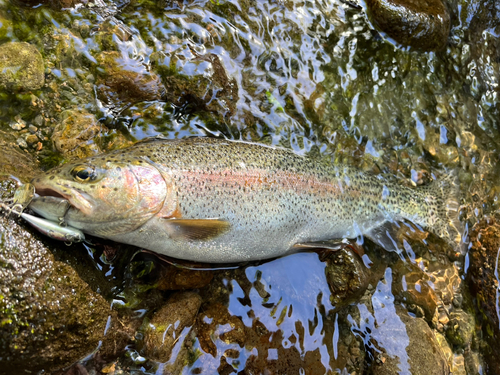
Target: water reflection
383, 328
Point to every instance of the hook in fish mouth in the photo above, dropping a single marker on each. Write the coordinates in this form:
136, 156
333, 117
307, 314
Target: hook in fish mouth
62, 219
51, 208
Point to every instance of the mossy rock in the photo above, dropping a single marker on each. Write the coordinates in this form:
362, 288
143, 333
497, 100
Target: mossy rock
21, 67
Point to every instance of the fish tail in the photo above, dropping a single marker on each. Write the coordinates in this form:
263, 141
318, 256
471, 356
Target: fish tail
444, 218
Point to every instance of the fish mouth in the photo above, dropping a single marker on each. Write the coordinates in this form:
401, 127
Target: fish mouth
74, 198
47, 192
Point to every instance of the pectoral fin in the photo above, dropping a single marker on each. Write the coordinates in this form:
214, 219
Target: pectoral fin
196, 229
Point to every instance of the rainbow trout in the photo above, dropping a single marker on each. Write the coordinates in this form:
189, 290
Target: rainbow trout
219, 201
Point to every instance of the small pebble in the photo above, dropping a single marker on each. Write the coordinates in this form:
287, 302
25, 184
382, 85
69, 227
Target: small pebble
32, 139
33, 129
18, 125
38, 120
21, 143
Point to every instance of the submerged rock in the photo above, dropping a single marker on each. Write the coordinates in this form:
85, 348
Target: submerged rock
411, 287
460, 328
21, 67
424, 25
122, 82
50, 318
198, 83
424, 354
168, 324
348, 277
481, 278
74, 136
175, 278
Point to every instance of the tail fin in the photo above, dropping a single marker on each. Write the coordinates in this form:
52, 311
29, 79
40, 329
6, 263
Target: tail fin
446, 224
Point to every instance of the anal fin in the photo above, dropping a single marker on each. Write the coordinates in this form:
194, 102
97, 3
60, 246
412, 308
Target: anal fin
333, 245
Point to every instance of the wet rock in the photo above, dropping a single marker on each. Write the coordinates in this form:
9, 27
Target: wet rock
168, 324
122, 82
50, 318
348, 277
74, 136
481, 278
351, 350
15, 162
424, 352
483, 284
198, 83
21, 67
424, 25
410, 286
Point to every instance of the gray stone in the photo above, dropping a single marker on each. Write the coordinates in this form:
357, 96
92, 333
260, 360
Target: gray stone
22, 143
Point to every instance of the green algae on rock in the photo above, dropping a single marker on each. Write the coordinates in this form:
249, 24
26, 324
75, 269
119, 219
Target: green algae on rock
21, 67
423, 25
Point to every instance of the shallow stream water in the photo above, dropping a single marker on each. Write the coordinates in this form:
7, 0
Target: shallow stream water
314, 76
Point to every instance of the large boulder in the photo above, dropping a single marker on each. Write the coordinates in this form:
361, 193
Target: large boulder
50, 318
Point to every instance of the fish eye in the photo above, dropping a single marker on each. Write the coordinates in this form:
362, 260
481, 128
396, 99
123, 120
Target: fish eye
83, 173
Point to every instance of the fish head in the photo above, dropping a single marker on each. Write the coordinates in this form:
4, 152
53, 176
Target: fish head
106, 195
